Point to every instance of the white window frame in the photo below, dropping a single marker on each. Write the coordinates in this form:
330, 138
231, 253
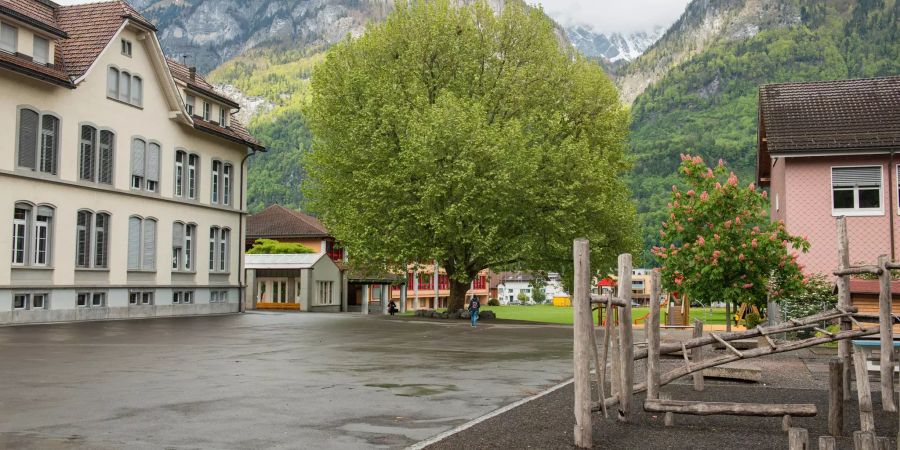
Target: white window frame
325, 293
126, 47
129, 87
184, 253
219, 249
28, 233
207, 109
97, 249
190, 103
215, 181
42, 140
222, 117
29, 300
40, 59
182, 297
143, 264
856, 211
91, 299
140, 298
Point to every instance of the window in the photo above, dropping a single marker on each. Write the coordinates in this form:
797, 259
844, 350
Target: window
222, 117
9, 38
180, 157
186, 178
41, 53
95, 162
30, 301
126, 47
218, 297
91, 240
38, 141
183, 246
189, 104
144, 165
90, 299
323, 293
124, 87
141, 243
182, 297
856, 190
206, 109
193, 163
221, 183
140, 298
31, 235
218, 249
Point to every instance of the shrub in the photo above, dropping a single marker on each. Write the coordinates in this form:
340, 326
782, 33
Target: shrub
816, 296
493, 302
522, 297
752, 320
271, 247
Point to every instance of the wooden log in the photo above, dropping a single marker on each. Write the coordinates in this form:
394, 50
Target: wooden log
843, 288
765, 334
786, 422
669, 417
601, 390
826, 443
864, 440
882, 443
730, 408
886, 335
727, 345
835, 397
808, 322
892, 265
626, 339
697, 355
798, 439
866, 416
858, 270
606, 299
603, 362
615, 360
652, 331
582, 329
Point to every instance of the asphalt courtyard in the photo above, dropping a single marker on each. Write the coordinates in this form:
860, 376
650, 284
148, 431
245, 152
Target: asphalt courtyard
264, 380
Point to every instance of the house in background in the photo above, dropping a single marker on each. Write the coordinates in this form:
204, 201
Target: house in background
828, 149
424, 290
121, 174
284, 277
512, 284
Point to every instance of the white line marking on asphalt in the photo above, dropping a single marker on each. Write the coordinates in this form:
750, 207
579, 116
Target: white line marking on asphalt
492, 414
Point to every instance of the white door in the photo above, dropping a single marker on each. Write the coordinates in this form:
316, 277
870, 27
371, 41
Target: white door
272, 290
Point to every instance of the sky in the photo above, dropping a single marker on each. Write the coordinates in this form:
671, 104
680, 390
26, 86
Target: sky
609, 16
606, 16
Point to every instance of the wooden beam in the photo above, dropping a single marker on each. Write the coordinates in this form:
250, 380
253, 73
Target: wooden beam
582, 328
863, 391
652, 332
626, 339
765, 334
843, 288
727, 345
858, 270
886, 336
798, 439
730, 408
606, 299
835, 397
697, 355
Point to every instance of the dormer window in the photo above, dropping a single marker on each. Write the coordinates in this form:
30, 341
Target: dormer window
126, 47
9, 37
206, 109
41, 53
189, 104
222, 117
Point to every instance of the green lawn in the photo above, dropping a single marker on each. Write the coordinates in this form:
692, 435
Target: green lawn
554, 314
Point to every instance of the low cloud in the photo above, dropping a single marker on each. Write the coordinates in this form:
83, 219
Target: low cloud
608, 16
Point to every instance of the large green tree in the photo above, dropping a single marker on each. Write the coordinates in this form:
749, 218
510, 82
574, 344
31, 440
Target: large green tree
470, 137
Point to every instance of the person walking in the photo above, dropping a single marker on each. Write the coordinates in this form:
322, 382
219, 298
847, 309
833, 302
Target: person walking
392, 307
474, 306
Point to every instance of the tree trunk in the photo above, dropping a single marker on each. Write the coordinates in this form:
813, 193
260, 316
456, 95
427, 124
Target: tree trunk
457, 294
728, 316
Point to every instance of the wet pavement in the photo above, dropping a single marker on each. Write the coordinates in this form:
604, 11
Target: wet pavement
264, 380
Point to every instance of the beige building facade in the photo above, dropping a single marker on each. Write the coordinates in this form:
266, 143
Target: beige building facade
122, 174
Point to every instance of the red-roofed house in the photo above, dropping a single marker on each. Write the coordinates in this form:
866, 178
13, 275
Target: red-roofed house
123, 173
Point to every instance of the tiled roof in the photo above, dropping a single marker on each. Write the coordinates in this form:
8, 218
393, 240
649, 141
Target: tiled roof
862, 114
234, 132
198, 83
858, 286
54, 74
277, 221
40, 14
90, 27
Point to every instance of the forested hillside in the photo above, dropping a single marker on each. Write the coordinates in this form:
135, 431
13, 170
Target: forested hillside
708, 104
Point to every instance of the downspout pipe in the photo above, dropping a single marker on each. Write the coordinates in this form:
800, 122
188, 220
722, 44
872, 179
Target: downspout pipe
241, 274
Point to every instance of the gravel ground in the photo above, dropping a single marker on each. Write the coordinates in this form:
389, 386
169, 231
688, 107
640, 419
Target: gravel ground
547, 423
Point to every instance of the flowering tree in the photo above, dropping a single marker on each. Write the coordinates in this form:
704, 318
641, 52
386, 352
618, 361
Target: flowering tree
719, 245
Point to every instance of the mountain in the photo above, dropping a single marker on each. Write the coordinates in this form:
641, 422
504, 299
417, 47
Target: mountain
612, 47
699, 82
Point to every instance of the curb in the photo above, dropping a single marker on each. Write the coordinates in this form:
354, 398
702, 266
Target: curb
440, 437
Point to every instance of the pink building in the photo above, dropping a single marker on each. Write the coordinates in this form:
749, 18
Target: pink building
827, 149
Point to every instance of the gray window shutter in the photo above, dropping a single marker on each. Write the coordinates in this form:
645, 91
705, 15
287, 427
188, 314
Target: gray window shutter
134, 243
149, 256
138, 147
112, 83
153, 162
178, 235
88, 144
856, 176
106, 150
137, 87
28, 136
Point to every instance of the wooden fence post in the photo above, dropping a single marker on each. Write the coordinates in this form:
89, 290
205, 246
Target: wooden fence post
626, 339
866, 417
668, 417
826, 443
864, 440
697, 355
798, 439
581, 346
843, 288
651, 326
886, 322
835, 398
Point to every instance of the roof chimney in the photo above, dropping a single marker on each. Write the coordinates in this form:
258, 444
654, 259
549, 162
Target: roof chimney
193, 72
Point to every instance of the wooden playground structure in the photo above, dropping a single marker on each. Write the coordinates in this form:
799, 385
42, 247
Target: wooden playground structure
618, 350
